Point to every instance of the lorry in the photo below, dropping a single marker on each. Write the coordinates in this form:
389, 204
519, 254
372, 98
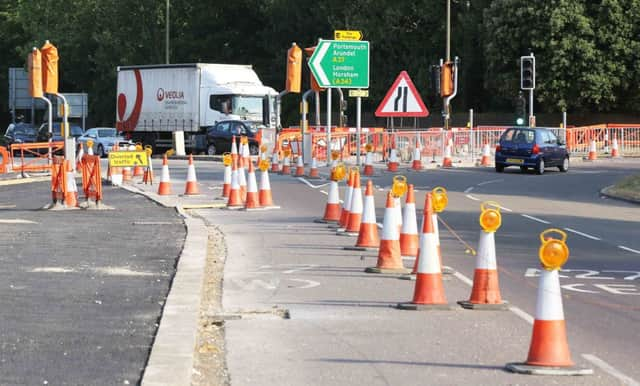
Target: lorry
162, 105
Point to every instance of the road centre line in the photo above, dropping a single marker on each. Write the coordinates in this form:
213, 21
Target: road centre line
582, 234
468, 190
628, 249
16, 221
490, 182
472, 198
607, 368
535, 219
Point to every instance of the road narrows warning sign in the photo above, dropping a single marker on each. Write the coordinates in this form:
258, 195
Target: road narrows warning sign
402, 100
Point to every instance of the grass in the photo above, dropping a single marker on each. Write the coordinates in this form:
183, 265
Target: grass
628, 188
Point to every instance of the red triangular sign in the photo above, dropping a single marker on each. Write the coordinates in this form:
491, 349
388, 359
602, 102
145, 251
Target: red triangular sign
402, 100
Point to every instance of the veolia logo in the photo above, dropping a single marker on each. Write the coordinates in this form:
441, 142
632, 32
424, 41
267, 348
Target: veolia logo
160, 95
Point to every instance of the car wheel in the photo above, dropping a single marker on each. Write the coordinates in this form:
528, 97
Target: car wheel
565, 165
523, 169
540, 166
101, 152
253, 149
499, 168
211, 149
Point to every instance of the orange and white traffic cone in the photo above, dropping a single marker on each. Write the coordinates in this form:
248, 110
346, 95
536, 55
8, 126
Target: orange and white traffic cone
286, 165
275, 162
368, 164
300, 166
234, 149
234, 200
126, 174
593, 153
191, 187
409, 232
265, 197
368, 238
389, 258
429, 289
417, 159
79, 157
486, 289
242, 180
116, 175
246, 154
354, 218
392, 165
226, 185
71, 189
447, 162
138, 171
313, 172
89, 150
549, 350
332, 209
346, 204
614, 148
486, 156
253, 199
164, 188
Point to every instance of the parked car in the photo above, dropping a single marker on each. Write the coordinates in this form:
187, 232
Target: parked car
531, 147
56, 132
19, 133
219, 136
104, 138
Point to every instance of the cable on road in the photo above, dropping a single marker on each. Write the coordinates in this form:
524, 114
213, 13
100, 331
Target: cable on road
469, 248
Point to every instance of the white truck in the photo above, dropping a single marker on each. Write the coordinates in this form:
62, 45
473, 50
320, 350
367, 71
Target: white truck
159, 105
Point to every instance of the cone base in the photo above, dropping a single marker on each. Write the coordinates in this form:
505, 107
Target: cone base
412, 277
387, 270
425, 307
523, 368
323, 221
345, 233
466, 304
356, 248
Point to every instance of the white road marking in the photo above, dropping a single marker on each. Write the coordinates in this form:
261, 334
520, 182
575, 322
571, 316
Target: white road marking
323, 192
310, 184
535, 219
463, 278
472, 198
300, 267
505, 208
379, 225
572, 287
604, 366
628, 249
489, 182
582, 234
16, 221
469, 189
309, 283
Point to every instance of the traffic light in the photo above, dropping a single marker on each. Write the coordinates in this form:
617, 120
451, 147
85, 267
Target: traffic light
527, 72
294, 69
435, 79
521, 110
446, 80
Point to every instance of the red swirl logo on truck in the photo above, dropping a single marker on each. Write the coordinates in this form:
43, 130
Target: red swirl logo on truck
160, 94
132, 121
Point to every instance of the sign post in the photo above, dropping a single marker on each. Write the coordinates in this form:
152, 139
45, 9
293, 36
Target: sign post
340, 64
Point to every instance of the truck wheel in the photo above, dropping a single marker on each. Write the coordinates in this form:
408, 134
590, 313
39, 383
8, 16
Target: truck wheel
211, 149
253, 149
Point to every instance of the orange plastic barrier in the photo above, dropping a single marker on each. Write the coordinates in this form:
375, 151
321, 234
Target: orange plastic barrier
4, 159
38, 155
58, 180
91, 178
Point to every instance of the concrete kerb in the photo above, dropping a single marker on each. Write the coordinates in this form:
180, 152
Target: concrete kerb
171, 359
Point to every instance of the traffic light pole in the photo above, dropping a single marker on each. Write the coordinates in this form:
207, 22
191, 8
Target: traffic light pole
532, 118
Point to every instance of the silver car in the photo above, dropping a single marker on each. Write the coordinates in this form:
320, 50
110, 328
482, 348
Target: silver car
103, 138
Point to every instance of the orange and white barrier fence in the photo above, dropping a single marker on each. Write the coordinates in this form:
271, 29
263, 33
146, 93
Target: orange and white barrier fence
91, 178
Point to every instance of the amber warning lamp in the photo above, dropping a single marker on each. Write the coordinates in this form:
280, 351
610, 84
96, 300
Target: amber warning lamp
553, 253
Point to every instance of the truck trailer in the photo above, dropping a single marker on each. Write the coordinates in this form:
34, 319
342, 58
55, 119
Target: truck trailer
154, 102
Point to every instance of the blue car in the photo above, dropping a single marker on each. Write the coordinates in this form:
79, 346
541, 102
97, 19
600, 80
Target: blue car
531, 147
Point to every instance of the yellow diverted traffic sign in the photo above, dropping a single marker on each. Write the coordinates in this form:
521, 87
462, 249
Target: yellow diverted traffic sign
128, 158
347, 35
356, 92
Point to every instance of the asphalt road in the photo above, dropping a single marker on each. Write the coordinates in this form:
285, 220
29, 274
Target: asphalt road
81, 291
342, 330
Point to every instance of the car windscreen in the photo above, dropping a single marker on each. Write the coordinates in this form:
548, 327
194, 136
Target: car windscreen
107, 133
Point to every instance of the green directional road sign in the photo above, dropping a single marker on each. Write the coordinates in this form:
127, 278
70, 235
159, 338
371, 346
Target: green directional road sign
341, 63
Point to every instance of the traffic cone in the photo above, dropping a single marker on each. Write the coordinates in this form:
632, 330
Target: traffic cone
346, 204
392, 165
226, 186
313, 172
486, 155
138, 171
242, 180
246, 155
126, 174
79, 157
191, 188
116, 175
89, 150
614, 148
275, 162
409, 233
147, 178
354, 217
164, 188
253, 199
71, 189
368, 235
389, 258
368, 164
332, 209
447, 162
234, 149
300, 167
429, 289
593, 154
234, 200
417, 159
397, 206
286, 165
549, 350
485, 294
265, 197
